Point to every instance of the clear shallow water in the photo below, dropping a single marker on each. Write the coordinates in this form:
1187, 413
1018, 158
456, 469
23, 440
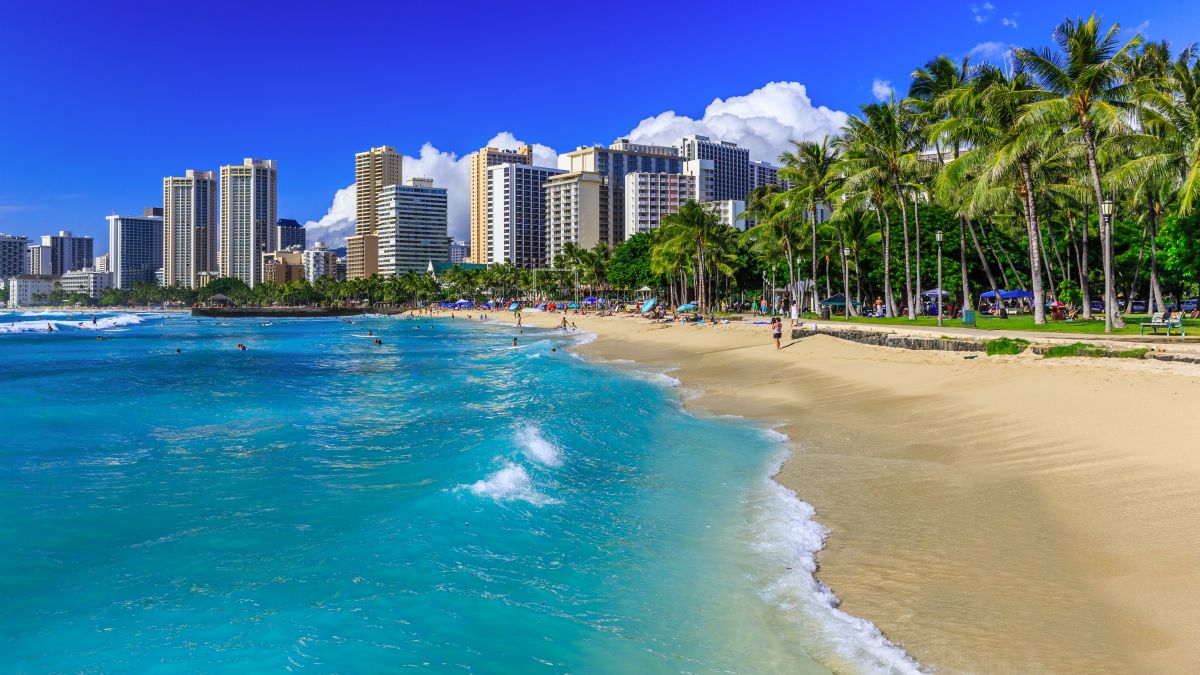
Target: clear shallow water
440, 502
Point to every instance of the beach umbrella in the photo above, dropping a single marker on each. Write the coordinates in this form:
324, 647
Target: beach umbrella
933, 293
644, 289
648, 305
1056, 303
589, 299
686, 307
573, 305
837, 300
514, 307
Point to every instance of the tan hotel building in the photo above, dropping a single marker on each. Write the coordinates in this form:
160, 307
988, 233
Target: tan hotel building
374, 170
480, 162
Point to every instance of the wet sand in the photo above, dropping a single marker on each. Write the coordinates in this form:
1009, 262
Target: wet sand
997, 514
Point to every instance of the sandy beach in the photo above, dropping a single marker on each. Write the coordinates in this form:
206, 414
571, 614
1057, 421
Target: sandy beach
994, 514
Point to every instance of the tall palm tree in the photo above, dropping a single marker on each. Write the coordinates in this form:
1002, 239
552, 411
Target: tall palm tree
812, 168
1090, 92
775, 228
700, 228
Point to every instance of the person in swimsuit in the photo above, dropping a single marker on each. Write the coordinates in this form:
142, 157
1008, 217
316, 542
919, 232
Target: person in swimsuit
777, 331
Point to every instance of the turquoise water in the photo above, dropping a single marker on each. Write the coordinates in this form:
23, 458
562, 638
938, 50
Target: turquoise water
439, 502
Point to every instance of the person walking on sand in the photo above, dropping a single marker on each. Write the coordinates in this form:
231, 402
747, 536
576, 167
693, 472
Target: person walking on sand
777, 331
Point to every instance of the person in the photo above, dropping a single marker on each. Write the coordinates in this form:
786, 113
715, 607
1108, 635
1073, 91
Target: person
93, 319
878, 306
763, 305
178, 350
795, 313
777, 331
554, 349
514, 342
563, 325
518, 319
49, 328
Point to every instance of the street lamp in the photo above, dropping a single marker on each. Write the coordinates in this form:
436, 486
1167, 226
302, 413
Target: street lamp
846, 279
1106, 210
938, 235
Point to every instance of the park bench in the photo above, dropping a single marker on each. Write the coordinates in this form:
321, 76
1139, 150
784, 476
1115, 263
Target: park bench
1163, 320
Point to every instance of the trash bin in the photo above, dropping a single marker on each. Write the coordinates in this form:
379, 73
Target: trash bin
825, 312
969, 318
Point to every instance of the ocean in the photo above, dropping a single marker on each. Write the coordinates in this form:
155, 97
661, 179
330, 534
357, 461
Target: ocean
441, 501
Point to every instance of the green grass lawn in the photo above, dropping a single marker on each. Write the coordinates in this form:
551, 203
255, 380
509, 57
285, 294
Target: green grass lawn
1024, 322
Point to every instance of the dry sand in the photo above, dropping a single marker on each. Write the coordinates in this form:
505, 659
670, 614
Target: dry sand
997, 514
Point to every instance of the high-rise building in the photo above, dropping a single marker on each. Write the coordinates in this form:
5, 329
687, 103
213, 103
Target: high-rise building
289, 233
516, 214
374, 170
764, 173
284, 266
319, 262
480, 163
459, 252
612, 163
650, 197
189, 229
575, 204
102, 264
86, 281
37, 260
64, 252
731, 164
14, 256
248, 215
135, 248
25, 290
729, 212
412, 226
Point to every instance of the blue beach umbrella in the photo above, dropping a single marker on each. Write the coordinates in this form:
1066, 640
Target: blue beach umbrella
573, 305
686, 307
514, 307
649, 305
589, 300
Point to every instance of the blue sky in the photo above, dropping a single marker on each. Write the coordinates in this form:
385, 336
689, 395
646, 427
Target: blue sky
101, 100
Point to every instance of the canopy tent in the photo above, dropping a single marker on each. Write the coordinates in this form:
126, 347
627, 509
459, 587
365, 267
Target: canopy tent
1007, 295
933, 293
464, 303
644, 289
838, 300
590, 299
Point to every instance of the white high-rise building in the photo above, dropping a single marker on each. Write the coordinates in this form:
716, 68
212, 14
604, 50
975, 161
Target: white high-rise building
731, 164
764, 173
102, 264
412, 226
37, 260
729, 212
189, 228
248, 215
576, 209
64, 252
87, 281
319, 262
14, 256
459, 252
612, 163
650, 197
27, 290
135, 248
516, 215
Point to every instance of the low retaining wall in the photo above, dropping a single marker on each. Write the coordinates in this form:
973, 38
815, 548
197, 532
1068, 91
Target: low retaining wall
879, 339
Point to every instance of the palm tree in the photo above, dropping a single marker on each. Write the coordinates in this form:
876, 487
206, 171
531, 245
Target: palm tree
700, 228
1090, 91
775, 228
813, 169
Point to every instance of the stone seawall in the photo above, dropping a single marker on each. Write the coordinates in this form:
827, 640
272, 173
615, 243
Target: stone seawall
879, 339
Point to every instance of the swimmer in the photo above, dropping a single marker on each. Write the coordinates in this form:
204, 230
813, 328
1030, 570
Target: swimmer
514, 342
49, 328
178, 350
554, 349
369, 333
93, 319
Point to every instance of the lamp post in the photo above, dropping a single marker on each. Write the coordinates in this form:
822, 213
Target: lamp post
1106, 211
938, 235
846, 279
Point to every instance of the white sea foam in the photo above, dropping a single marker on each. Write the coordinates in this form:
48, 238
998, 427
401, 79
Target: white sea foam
80, 323
510, 483
537, 448
584, 338
790, 537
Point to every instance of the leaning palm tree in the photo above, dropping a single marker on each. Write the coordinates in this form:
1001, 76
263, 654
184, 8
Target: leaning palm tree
812, 168
1090, 92
775, 227
699, 227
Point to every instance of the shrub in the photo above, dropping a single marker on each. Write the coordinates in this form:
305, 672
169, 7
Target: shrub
1006, 346
1077, 349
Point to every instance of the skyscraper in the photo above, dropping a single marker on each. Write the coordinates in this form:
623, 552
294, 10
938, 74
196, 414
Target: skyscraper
480, 162
248, 215
412, 226
517, 214
289, 233
189, 228
575, 204
64, 252
14, 258
731, 164
374, 170
135, 248
650, 197
612, 163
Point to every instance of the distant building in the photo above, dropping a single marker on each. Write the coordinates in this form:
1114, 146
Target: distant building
248, 215
64, 252
341, 269
612, 164
576, 206
319, 262
27, 290
459, 251
516, 214
14, 255
729, 211
731, 164
289, 233
37, 260
436, 268
650, 197
102, 264
281, 267
87, 281
374, 170
135, 248
190, 229
481, 161
764, 173
412, 226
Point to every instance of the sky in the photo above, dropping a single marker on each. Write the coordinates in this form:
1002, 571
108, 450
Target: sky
99, 101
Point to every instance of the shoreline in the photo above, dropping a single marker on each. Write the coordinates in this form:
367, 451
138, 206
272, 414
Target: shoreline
960, 533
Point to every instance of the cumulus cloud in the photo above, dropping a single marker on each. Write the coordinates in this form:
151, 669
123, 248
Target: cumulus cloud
447, 169
993, 52
882, 90
982, 13
764, 121
1011, 23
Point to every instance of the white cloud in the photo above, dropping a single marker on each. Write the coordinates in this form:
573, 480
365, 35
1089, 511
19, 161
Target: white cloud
763, 121
882, 90
447, 169
994, 52
982, 13
1011, 23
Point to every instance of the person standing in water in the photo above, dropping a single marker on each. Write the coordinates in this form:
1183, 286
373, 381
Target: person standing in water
514, 342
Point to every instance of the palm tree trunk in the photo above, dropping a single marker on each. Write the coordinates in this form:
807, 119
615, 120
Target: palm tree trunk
917, 229
1007, 258
912, 315
845, 269
962, 261
886, 226
1136, 270
1035, 238
995, 256
814, 257
1112, 319
1155, 287
1085, 288
987, 269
